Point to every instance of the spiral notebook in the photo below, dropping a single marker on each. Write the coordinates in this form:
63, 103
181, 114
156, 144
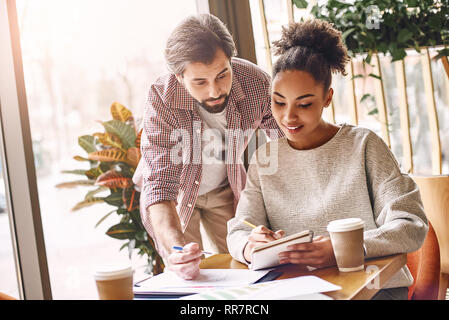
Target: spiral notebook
266, 255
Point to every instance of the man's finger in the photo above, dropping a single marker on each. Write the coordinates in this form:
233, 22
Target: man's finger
191, 247
184, 257
187, 271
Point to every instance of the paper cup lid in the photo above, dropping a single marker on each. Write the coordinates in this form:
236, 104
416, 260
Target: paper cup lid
345, 225
111, 272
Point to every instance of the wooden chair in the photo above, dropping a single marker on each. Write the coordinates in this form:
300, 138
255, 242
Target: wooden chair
435, 197
424, 265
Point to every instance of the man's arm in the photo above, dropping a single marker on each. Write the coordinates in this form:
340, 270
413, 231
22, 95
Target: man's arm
160, 177
168, 234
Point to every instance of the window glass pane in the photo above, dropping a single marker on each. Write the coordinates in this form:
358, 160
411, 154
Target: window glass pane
419, 119
8, 275
441, 94
79, 57
276, 16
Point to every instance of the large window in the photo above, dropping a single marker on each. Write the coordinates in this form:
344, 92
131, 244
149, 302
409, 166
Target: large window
268, 18
8, 275
79, 57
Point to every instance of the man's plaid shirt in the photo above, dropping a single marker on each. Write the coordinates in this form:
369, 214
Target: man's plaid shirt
171, 121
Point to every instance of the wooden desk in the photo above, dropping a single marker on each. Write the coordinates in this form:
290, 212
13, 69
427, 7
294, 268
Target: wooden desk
359, 285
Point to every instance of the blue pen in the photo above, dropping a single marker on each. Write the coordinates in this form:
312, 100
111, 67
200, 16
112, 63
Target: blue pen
181, 248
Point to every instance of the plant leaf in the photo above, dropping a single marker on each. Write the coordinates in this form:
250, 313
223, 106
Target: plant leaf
301, 4
123, 246
79, 158
119, 112
138, 139
121, 231
142, 236
373, 112
125, 132
404, 35
347, 33
87, 203
102, 219
87, 142
122, 211
91, 193
114, 199
442, 53
357, 76
76, 183
77, 172
365, 96
108, 155
130, 198
93, 173
113, 180
375, 76
109, 139
133, 157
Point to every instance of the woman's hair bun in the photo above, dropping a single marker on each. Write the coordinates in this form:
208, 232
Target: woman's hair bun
319, 37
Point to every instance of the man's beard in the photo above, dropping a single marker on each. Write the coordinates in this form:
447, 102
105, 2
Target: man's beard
216, 108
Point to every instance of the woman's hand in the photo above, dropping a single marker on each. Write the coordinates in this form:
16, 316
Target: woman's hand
258, 236
319, 253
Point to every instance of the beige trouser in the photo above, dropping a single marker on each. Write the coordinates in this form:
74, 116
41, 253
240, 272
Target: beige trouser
208, 224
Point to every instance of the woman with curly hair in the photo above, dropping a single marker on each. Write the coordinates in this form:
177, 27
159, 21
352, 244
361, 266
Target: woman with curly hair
324, 171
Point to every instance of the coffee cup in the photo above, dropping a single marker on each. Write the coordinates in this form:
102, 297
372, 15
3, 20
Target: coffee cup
347, 241
114, 282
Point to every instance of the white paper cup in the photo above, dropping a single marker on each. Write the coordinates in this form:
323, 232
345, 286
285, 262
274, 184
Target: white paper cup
114, 282
347, 241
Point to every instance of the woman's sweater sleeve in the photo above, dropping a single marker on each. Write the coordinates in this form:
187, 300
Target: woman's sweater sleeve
396, 202
251, 208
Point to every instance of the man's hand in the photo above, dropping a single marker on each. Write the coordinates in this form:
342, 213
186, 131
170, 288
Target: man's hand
318, 254
186, 263
168, 232
259, 236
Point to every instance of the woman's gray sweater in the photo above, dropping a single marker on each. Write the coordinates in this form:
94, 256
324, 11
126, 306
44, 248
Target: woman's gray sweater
352, 175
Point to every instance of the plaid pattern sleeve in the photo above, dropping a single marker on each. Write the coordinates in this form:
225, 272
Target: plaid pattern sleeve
161, 176
257, 90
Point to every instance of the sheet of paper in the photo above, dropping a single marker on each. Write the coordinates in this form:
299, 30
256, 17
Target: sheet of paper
311, 296
293, 287
207, 279
305, 287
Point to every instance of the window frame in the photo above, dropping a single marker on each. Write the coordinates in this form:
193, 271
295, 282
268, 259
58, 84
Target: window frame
18, 165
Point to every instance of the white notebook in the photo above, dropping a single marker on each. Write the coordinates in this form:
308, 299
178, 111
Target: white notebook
266, 255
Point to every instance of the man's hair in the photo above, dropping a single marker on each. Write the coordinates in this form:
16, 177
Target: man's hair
196, 39
314, 46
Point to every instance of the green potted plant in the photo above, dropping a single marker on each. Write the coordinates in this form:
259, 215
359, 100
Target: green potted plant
387, 26
113, 156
